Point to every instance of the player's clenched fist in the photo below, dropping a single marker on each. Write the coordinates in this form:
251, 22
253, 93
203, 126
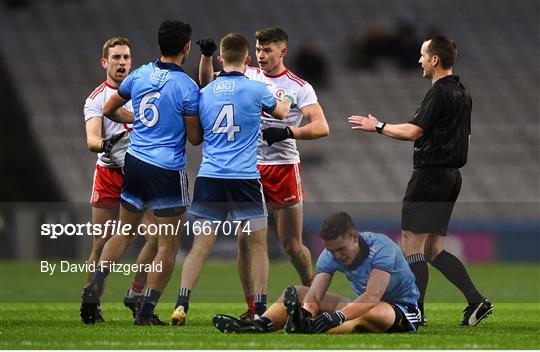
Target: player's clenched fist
363, 123
208, 46
275, 134
108, 144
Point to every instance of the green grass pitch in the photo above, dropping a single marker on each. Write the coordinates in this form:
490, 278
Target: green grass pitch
38, 311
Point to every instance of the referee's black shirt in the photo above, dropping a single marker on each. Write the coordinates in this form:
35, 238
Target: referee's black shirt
445, 117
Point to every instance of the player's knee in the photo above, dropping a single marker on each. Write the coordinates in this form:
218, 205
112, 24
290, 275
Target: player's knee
151, 240
292, 247
200, 251
171, 247
98, 244
412, 243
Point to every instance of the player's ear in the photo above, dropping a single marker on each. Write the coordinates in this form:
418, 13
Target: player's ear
103, 63
248, 60
187, 47
220, 60
435, 60
355, 237
283, 52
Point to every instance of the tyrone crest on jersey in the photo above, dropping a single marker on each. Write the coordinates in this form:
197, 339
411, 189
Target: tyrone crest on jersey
280, 92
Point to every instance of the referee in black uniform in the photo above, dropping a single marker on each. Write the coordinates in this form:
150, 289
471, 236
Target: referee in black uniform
440, 130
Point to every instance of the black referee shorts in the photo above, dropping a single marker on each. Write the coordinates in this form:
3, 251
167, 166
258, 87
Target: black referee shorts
429, 200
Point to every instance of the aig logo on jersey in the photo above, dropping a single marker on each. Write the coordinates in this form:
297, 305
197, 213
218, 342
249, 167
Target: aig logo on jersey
159, 75
224, 87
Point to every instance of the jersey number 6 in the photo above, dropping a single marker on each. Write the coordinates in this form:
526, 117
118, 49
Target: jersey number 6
147, 105
226, 113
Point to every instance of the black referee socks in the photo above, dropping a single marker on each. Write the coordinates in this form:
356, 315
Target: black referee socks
417, 263
454, 270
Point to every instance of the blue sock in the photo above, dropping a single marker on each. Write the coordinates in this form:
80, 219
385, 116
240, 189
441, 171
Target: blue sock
151, 298
260, 303
100, 275
183, 298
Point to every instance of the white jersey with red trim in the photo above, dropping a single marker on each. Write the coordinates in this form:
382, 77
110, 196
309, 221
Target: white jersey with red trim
93, 108
284, 152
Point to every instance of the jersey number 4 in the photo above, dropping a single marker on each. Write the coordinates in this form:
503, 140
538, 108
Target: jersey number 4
147, 105
226, 114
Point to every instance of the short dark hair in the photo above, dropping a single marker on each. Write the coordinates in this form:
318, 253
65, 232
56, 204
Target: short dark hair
173, 36
336, 225
111, 43
234, 48
444, 48
271, 35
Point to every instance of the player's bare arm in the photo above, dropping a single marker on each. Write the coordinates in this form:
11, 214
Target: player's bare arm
316, 292
206, 69
114, 111
402, 131
94, 134
376, 286
317, 126
194, 130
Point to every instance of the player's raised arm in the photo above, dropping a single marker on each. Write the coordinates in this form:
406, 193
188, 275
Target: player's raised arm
402, 131
113, 110
206, 69
316, 292
194, 130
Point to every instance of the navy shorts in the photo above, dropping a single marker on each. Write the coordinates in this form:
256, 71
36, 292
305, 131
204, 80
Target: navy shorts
215, 198
146, 185
407, 318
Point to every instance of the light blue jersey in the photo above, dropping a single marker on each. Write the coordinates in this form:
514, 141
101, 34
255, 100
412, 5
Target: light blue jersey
162, 94
384, 254
230, 113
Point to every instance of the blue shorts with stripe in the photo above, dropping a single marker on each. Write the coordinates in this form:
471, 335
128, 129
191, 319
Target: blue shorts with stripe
215, 198
146, 185
409, 317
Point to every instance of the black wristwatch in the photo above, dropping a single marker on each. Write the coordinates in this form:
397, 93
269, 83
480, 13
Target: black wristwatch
379, 126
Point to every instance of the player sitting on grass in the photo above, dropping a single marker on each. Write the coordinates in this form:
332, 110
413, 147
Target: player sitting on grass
378, 274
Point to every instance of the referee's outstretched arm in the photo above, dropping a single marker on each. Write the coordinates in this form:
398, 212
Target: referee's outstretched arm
403, 131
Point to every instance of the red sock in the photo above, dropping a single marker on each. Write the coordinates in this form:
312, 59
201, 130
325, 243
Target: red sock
250, 300
137, 287
308, 284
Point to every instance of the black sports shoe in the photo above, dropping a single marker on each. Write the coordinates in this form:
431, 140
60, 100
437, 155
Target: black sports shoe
423, 320
229, 324
298, 319
151, 320
248, 316
474, 313
90, 313
133, 303
99, 316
